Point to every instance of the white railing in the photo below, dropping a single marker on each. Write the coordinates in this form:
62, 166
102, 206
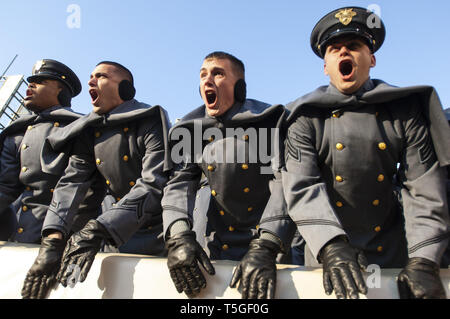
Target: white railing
144, 277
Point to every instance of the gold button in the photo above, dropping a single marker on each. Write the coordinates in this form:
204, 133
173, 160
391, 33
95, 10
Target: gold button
257, 227
245, 137
339, 146
24, 208
132, 183
118, 198
339, 179
24, 169
30, 127
211, 138
382, 146
213, 192
246, 190
28, 188
24, 146
126, 129
339, 204
125, 158
376, 202
210, 168
380, 249
244, 167
335, 115
98, 161
222, 213
378, 229
225, 247
108, 182
20, 230
377, 113
63, 77
98, 134
250, 209
380, 178
231, 228
56, 124
51, 190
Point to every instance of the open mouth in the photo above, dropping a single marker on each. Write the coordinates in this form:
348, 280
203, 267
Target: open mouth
211, 97
94, 95
346, 69
29, 94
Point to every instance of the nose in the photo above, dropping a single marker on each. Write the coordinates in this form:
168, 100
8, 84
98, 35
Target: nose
344, 51
92, 81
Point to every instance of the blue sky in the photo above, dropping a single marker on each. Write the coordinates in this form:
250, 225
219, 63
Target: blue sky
164, 42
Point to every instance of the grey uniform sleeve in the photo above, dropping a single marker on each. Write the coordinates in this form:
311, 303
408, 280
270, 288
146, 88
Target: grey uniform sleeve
72, 187
424, 192
179, 195
305, 191
10, 185
144, 199
275, 218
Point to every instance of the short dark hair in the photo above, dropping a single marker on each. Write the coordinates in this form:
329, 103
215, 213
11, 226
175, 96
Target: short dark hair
238, 65
127, 73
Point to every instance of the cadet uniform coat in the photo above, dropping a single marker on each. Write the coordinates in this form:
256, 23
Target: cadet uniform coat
128, 148
341, 156
237, 172
22, 176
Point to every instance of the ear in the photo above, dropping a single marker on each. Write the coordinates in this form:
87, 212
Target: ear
373, 61
325, 71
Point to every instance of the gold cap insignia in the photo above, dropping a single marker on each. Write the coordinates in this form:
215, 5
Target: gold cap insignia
38, 65
345, 16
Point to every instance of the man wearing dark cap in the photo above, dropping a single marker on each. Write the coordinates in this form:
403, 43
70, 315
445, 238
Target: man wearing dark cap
48, 97
22, 177
345, 142
125, 142
224, 134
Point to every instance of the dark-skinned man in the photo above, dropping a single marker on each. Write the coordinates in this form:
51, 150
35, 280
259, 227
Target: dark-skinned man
343, 147
51, 87
239, 185
125, 142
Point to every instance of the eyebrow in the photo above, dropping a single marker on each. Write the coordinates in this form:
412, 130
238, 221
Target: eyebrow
97, 74
216, 68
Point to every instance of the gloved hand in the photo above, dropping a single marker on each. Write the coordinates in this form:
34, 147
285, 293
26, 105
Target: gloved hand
80, 252
342, 265
41, 277
184, 253
420, 280
257, 271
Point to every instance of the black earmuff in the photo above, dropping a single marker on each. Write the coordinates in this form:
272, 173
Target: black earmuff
126, 90
240, 91
64, 97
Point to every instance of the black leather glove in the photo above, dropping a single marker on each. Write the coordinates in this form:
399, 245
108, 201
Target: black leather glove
184, 254
41, 277
420, 280
257, 271
342, 265
80, 252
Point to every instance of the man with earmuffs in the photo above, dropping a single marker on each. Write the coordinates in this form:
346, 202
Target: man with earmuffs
228, 137
125, 142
